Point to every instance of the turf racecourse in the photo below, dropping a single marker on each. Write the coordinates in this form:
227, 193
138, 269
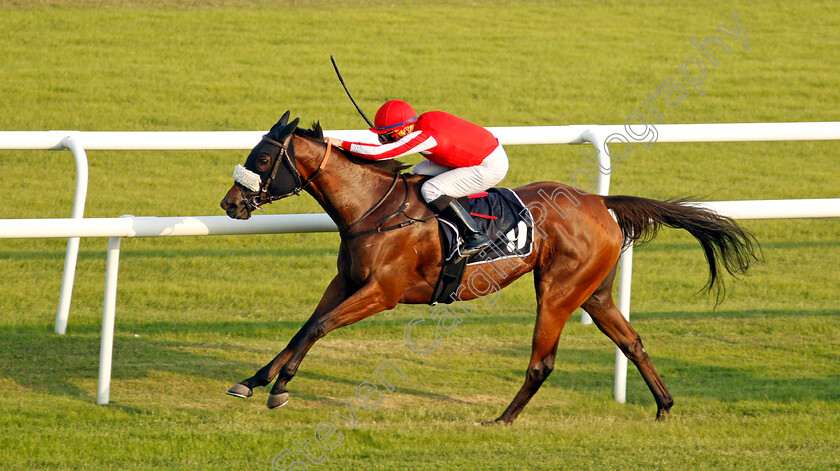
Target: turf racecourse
756, 380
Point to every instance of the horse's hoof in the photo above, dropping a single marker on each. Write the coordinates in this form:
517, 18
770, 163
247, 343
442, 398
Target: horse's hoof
491, 422
240, 390
278, 400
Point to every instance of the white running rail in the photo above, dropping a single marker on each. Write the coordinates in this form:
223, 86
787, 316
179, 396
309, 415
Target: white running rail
115, 228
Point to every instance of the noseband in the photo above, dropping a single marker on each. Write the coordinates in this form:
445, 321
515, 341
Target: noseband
264, 196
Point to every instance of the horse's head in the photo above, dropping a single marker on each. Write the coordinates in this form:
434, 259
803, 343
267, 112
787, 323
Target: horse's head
270, 172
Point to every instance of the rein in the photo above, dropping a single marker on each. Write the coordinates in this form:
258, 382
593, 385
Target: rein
400, 210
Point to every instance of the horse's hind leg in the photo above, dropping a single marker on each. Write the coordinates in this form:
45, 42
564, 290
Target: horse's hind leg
610, 321
552, 313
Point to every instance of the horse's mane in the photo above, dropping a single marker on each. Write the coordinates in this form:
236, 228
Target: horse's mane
392, 166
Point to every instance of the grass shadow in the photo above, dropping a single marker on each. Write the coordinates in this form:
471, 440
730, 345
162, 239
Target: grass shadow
692, 378
742, 314
41, 361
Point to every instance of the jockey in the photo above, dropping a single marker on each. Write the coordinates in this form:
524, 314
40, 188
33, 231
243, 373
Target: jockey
461, 157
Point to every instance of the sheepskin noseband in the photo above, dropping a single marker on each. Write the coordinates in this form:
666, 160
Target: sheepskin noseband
246, 178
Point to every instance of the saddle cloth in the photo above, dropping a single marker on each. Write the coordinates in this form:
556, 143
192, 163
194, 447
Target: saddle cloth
501, 215
507, 222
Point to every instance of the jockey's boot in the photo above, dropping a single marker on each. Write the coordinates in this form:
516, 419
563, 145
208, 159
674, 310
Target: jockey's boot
474, 239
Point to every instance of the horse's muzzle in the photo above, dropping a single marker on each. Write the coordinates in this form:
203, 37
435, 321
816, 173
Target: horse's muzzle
235, 205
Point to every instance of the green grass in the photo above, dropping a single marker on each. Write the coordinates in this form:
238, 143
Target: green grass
756, 380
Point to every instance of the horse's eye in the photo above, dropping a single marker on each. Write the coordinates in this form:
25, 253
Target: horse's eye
262, 162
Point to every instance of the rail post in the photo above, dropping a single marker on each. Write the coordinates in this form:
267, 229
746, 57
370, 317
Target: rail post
72, 253
109, 306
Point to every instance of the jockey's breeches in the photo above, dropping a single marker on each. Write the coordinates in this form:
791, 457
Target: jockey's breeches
462, 181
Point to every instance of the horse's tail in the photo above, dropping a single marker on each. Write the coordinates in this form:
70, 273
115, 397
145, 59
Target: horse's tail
724, 242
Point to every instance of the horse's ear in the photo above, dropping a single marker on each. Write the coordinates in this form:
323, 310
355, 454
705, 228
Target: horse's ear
284, 119
289, 130
280, 124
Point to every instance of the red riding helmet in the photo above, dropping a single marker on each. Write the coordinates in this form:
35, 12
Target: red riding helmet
393, 116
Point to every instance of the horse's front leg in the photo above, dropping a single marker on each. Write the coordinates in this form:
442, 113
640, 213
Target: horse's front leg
337, 291
369, 299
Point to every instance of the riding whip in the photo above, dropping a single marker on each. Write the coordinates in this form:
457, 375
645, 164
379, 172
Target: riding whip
348, 92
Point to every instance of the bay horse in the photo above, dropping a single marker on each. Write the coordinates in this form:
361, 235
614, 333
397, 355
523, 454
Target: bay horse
391, 253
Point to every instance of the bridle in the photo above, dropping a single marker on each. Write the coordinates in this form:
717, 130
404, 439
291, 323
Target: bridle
286, 154
264, 196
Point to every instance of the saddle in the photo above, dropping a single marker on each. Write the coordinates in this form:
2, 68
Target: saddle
503, 217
